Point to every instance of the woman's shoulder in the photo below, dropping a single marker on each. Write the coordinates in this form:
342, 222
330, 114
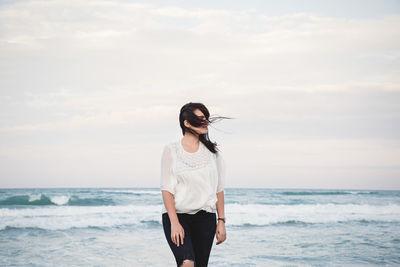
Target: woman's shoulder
171, 145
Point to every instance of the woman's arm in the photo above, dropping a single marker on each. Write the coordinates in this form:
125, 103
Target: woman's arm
177, 232
220, 205
221, 231
167, 184
169, 204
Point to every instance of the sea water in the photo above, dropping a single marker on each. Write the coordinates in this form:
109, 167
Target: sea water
265, 227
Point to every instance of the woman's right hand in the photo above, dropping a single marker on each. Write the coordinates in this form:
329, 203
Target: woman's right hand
177, 233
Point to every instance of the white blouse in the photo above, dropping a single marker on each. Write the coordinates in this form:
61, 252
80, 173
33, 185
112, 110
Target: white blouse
193, 178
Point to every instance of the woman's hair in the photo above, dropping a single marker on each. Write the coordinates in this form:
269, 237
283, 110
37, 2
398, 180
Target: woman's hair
187, 113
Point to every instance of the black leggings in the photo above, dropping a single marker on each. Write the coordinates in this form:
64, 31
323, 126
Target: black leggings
198, 238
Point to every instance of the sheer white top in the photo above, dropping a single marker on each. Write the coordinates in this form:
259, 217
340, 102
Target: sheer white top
193, 178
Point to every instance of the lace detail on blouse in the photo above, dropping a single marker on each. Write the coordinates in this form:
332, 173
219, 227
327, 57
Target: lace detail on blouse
187, 160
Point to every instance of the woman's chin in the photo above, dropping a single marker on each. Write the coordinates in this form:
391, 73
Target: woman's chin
202, 131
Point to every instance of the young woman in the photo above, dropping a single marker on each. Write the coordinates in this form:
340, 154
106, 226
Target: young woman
192, 184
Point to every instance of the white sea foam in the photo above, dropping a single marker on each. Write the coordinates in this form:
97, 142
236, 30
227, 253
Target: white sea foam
60, 200
319, 213
34, 197
65, 217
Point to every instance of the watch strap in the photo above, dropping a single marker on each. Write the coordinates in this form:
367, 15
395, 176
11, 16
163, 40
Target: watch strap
222, 219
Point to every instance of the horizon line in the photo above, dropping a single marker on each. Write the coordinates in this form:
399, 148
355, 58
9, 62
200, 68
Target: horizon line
251, 188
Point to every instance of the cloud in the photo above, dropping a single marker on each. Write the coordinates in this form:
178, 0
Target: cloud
101, 72
99, 45
99, 109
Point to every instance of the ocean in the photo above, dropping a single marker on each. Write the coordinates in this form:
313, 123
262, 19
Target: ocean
265, 227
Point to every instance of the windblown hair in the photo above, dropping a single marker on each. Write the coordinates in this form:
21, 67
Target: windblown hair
187, 113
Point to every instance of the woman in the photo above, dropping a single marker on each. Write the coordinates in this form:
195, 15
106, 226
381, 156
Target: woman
192, 184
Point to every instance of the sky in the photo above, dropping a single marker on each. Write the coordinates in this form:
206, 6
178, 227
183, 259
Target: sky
90, 91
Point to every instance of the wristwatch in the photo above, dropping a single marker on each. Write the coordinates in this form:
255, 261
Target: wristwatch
222, 219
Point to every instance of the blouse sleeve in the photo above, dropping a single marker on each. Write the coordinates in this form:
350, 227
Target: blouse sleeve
167, 180
221, 172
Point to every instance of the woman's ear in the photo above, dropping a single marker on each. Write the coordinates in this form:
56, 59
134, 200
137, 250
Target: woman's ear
186, 123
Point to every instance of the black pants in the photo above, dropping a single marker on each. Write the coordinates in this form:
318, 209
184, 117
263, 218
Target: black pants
199, 235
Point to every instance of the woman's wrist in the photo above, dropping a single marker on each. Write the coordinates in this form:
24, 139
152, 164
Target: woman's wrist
221, 219
173, 217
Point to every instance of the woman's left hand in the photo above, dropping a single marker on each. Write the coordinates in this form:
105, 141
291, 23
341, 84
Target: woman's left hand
221, 232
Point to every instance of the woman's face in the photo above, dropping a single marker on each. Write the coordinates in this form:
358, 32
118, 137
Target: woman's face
202, 129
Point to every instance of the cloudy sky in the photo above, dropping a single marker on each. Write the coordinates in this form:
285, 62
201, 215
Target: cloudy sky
90, 91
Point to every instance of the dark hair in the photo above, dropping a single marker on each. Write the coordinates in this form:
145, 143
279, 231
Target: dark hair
187, 113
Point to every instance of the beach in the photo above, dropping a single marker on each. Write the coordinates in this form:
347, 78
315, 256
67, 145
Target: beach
265, 227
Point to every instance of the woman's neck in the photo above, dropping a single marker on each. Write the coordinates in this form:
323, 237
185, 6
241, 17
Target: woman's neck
190, 140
